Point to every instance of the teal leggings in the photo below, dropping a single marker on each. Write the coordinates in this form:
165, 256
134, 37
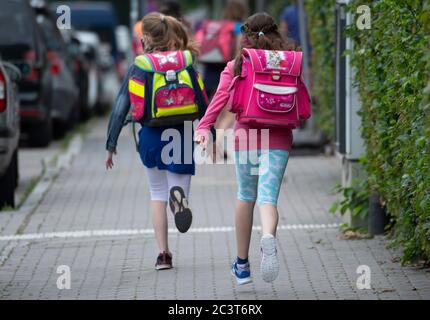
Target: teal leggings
259, 174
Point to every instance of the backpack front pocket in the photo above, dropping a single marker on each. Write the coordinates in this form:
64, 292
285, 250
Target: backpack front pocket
172, 100
276, 98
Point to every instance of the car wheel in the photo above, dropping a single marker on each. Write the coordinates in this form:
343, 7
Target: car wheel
7, 188
41, 135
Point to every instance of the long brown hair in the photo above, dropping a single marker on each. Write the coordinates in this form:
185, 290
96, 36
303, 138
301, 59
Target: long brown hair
167, 33
260, 31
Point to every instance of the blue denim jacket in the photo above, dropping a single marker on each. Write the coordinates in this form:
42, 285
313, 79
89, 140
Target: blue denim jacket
119, 113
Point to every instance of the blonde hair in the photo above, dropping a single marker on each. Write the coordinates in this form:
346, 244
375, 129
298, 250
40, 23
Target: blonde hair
167, 33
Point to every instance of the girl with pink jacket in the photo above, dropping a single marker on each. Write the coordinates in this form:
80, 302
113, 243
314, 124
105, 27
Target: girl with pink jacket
261, 157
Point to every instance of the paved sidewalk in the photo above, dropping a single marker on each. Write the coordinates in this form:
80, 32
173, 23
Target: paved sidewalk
116, 260
31, 167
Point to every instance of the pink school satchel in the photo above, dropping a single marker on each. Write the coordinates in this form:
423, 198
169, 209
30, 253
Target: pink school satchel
270, 91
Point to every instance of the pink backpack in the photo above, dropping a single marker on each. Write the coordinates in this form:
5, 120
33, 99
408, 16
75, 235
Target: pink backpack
217, 41
270, 91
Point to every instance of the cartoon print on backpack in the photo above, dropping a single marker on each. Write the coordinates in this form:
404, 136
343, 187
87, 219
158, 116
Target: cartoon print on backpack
274, 59
163, 59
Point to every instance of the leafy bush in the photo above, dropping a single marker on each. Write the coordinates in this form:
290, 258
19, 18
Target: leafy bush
355, 199
276, 7
392, 60
321, 24
320, 18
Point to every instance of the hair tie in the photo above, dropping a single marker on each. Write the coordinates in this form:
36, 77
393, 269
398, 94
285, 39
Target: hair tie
261, 34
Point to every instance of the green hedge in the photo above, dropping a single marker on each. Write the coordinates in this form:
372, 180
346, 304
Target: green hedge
321, 33
321, 24
392, 60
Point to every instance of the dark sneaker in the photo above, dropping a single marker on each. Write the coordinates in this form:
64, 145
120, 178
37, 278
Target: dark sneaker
179, 205
164, 261
241, 272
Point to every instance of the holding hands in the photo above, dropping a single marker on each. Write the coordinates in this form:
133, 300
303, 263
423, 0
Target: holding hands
202, 138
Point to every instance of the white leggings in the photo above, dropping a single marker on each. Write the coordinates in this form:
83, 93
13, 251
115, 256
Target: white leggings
160, 182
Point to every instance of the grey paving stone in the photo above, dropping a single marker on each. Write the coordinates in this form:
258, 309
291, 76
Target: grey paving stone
314, 264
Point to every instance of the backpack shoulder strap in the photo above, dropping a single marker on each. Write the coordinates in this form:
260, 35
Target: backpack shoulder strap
251, 54
144, 63
296, 68
200, 96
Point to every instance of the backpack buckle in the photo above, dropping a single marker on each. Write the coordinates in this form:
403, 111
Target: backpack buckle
170, 76
276, 75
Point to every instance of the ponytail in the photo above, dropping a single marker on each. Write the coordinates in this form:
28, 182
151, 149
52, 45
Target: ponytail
167, 34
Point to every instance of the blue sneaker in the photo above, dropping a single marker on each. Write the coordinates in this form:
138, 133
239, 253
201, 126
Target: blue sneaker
241, 272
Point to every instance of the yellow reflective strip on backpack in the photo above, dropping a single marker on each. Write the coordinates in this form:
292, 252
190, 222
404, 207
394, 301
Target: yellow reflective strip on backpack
144, 63
167, 112
200, 81
136, 88
188, 58
158, 82
184, 78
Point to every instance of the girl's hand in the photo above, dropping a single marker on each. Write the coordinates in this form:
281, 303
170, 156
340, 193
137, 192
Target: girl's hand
109, 160
202, 138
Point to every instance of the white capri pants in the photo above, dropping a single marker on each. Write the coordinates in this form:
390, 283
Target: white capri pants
161, 181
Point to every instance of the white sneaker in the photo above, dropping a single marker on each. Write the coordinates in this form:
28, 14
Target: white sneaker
269, 258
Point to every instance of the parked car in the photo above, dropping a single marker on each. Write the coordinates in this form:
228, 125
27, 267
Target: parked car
64, 100
21, 43
83, 46
100, 17
9, 132
123, 38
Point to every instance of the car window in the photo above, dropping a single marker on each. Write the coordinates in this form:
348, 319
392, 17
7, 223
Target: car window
16, 23
50, 33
